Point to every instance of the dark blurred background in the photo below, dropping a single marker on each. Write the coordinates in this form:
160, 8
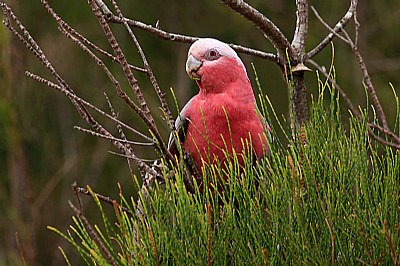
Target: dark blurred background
41, 154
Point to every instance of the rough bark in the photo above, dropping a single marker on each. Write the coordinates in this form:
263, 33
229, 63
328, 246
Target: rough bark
300, 98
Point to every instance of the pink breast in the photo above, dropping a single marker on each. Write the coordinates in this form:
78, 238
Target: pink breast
208, 136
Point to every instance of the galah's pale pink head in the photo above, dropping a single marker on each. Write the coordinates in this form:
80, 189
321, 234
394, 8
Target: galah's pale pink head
214, 65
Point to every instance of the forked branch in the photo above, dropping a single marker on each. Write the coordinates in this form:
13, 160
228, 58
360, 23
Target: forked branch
335, 30
266, 26
144, 111
367, 82
64, 88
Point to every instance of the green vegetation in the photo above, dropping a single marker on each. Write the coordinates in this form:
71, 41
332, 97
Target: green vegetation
42, 154
332, 200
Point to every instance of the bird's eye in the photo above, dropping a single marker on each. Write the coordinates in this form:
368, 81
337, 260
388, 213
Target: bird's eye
212, 54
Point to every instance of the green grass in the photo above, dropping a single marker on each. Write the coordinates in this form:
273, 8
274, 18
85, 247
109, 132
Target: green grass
332, 200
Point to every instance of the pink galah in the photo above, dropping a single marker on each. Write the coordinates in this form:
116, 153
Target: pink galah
223, 115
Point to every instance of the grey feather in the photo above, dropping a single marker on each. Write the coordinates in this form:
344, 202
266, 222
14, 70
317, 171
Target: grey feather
181, 124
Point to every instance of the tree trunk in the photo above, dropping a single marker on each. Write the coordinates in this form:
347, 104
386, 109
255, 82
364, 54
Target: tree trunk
300, 98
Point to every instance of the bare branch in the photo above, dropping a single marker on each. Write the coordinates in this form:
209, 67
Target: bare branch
154, 30
122, 60
121, 132
153, 80
185, 38
105, 199
64, 88
147, 116
93, 133
395, 140
32, 45
100, 63
370, 87
103, 7
257, 53
385, 131
300, 35
94, 236
367, 79
357, 27
83, 102
271, 31
334, 32
383, 141
64, 26
90, 120
129, 157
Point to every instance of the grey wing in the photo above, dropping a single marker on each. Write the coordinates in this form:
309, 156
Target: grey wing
181, 124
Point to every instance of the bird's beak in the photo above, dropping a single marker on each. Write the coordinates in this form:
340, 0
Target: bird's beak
192, 65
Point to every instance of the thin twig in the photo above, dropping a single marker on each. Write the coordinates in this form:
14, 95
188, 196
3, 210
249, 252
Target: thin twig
111, 77
29, 41
122, 61
96, 134
331, 30
121, 93
105, 199
129, 157
357, 27
74, 187
32, 45
146, 114
370, 86
94, 236
83, 102
63, 86
153, 80
122, 134
386, 132
367, 79
37, 51
383, 141
89, 119
164, 35
64, 25
334, 32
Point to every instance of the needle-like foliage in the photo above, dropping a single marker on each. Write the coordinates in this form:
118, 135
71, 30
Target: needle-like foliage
335, 200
